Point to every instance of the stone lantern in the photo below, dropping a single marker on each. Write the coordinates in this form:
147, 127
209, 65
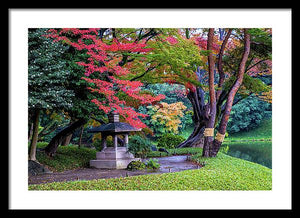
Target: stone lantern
115, 157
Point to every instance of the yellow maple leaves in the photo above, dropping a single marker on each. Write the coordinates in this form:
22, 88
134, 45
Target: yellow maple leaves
266, 96
169, 115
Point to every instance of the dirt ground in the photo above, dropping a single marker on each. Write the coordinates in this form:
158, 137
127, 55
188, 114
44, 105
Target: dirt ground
167, 165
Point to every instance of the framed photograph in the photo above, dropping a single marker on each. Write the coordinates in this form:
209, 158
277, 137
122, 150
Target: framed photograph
150, 109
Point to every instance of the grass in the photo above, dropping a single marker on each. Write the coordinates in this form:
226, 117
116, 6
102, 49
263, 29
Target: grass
66, 157
254, 145
220, 173
261, 133
223, 172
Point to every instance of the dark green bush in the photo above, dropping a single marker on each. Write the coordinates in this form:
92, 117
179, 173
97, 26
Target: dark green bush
169, 140
139, 146
248, 114
136, 165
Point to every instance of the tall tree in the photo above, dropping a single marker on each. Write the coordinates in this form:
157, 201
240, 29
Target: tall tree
210, 123
229, 102
46, 80
175, 57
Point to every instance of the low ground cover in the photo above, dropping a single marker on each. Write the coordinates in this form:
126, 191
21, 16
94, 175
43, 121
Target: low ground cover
66, 158
220, 173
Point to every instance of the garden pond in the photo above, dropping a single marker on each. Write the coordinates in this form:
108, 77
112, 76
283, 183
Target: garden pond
255, 151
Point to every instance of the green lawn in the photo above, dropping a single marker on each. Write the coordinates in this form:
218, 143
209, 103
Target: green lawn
263, 132
220, 173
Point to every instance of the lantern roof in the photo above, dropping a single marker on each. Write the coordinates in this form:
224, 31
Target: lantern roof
114, 126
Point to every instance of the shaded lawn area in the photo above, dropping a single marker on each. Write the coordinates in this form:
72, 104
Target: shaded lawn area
66, 158
263, 132
220, 173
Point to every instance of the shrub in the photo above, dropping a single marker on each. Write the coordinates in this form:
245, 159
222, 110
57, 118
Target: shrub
248, 114
139, 146
136, 165
169, 140
152, 164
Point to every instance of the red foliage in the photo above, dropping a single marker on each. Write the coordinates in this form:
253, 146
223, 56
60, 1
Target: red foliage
202, 43
104, 59
171, 40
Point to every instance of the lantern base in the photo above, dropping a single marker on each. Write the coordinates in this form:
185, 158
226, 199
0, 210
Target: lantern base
111, 158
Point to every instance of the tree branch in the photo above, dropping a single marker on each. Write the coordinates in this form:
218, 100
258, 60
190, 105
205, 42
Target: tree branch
220, 63
143, 74
99, 120
254, 65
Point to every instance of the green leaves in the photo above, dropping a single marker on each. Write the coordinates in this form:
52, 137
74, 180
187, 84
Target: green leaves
47, 75
248, 114
169, 140
254, 85
180, 58
139, 146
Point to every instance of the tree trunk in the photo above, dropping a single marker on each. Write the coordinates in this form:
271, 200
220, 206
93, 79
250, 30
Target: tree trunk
30, 131
32, 148
80, 136
196, 97
56, 140
68, 137
225, 117
220, 64
209, 127
67, 140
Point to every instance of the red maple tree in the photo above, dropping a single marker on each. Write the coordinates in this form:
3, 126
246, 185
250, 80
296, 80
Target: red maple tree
104, 62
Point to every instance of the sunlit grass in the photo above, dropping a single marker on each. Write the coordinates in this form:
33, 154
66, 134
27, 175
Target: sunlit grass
220, 173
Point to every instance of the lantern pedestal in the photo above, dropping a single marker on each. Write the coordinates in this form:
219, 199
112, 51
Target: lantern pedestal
112, 158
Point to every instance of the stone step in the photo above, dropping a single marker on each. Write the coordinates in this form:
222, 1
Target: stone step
113, 155
112, 149
112, 164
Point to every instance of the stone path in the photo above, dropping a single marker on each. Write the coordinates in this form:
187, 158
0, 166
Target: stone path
167, 164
